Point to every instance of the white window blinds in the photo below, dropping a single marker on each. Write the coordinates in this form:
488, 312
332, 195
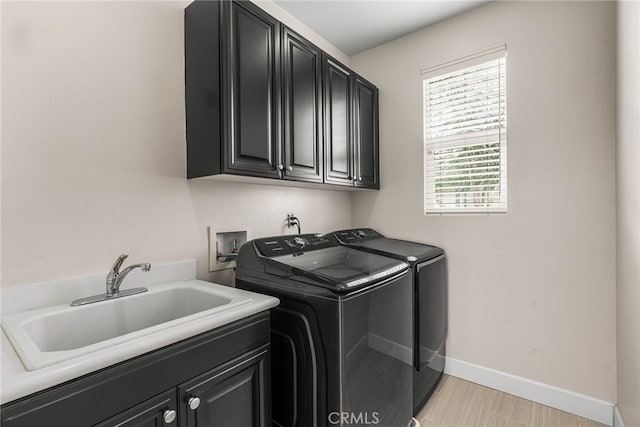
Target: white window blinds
465, 150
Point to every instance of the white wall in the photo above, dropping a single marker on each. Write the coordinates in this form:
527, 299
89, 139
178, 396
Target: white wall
628, 212
93, 146
532, 292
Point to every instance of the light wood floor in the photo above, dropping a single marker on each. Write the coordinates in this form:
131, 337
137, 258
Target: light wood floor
459, 403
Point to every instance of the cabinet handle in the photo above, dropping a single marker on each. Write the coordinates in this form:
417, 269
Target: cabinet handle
193, 403
289, 168
169, 416
280, 167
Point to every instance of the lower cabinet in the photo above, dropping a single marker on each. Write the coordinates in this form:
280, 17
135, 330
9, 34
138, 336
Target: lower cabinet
232, 396
219, 378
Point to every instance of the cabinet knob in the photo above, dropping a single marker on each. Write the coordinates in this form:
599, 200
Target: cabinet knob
359, 178
169, 416
193, 403
289, 168
280, 167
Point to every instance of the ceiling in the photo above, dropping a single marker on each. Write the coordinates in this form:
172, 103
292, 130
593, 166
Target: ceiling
357, 25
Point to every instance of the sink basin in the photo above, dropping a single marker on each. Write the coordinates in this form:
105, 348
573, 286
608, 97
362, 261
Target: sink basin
71, 329
50, 335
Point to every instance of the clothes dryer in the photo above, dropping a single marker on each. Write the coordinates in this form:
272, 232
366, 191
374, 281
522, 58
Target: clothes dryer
429, 275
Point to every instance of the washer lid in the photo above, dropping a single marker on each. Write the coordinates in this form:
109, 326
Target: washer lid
339, 268
401, 249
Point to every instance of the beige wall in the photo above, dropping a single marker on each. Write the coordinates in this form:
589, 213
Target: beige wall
628, 212
93, 164
293, 22
93, 146
532, 292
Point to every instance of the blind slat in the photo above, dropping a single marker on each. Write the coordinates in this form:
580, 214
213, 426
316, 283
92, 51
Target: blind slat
467, 168
470, 124
470, 88
449, 158
470, 108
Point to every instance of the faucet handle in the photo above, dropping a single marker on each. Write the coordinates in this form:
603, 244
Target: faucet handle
118, 263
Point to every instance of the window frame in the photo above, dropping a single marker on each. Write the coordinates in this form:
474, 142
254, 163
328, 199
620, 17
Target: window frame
491, 137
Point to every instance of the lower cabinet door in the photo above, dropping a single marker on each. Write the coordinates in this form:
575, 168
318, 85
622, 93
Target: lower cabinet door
158, 411
232, 395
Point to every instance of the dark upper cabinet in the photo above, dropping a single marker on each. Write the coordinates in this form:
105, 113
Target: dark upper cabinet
302, 115
251, 93
338, 118
365, 141
203, 88
262, 101
232, 89
351, 127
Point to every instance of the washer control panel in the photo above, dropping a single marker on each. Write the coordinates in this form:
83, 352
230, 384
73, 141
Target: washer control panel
287, 245
357, 235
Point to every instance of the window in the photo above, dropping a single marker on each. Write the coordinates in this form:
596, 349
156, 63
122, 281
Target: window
465, 135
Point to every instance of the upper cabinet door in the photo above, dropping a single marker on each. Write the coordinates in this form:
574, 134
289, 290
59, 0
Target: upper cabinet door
251, 87
337, 119
366, 134
302, 118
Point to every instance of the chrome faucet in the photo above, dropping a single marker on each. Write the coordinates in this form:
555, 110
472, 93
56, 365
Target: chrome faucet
115, 277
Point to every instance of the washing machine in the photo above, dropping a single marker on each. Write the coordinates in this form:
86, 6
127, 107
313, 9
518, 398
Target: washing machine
341, 338
429, 275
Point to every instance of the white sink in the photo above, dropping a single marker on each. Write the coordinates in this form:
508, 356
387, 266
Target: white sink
50, 335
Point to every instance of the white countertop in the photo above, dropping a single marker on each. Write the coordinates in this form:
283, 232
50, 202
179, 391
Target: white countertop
16, 381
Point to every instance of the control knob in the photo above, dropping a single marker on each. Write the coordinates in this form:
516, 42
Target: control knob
300, 242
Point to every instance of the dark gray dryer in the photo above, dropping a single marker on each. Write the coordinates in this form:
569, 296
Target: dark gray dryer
430, 302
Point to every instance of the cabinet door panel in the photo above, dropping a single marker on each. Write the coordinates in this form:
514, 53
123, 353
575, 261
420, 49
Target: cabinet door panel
302, 119
147, 414
202, 89
252, 87
338, 114
232, 395
366, 134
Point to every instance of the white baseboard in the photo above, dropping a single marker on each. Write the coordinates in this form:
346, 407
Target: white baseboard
565, 400
617, 417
